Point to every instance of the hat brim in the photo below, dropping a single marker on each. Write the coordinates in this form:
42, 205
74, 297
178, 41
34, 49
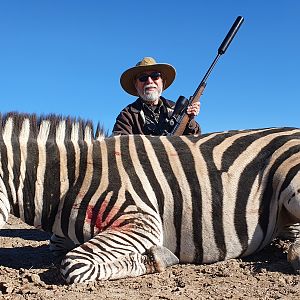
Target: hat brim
128, 78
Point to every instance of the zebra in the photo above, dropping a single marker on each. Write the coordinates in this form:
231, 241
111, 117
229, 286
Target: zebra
125, 206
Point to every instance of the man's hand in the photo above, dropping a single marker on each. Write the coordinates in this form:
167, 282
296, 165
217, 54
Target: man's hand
193, 110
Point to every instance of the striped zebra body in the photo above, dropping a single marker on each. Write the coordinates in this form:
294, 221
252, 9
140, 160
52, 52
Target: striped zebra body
132, 205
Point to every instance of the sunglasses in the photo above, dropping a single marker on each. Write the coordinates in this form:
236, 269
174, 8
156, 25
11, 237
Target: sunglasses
144, 77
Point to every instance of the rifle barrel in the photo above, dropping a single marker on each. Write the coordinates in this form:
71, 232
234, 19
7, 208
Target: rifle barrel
230, 35
183, 118
222, 49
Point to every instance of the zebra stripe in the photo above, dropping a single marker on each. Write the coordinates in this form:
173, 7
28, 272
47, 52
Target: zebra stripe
23, 140
7, 136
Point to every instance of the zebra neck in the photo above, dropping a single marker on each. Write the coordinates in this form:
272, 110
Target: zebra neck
37, 177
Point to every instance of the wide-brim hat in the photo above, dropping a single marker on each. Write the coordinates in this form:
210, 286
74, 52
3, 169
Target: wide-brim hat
128, 78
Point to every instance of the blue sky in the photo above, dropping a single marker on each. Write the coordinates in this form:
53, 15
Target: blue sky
66, 57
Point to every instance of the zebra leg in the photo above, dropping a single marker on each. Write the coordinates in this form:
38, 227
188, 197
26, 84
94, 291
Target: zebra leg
60, 246
4, 204
159, 258
290, 232
293, 256
290, 216
95, 260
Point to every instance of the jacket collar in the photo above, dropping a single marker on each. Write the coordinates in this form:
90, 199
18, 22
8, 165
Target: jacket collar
137, 105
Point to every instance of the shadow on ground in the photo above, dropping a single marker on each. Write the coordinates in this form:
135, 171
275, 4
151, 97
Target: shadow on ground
273, 258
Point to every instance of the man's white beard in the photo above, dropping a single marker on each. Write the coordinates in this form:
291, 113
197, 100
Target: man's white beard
150, 96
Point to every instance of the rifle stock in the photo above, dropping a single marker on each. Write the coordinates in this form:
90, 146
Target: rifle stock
184, 119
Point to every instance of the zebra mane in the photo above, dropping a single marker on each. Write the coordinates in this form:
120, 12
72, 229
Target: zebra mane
56, 125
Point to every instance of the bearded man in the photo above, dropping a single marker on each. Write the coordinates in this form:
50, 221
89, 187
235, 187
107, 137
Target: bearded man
147, 114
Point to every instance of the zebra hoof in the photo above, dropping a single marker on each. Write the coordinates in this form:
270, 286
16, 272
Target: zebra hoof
161, 258
293, 256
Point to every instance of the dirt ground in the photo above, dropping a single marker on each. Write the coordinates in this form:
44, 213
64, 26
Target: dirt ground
29, 271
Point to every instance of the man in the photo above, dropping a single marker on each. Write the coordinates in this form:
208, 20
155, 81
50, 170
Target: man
148, 113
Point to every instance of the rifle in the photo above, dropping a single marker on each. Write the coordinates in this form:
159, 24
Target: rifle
179, 119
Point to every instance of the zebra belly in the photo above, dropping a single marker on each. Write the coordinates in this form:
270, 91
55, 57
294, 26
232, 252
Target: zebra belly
208, 250
217, 235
